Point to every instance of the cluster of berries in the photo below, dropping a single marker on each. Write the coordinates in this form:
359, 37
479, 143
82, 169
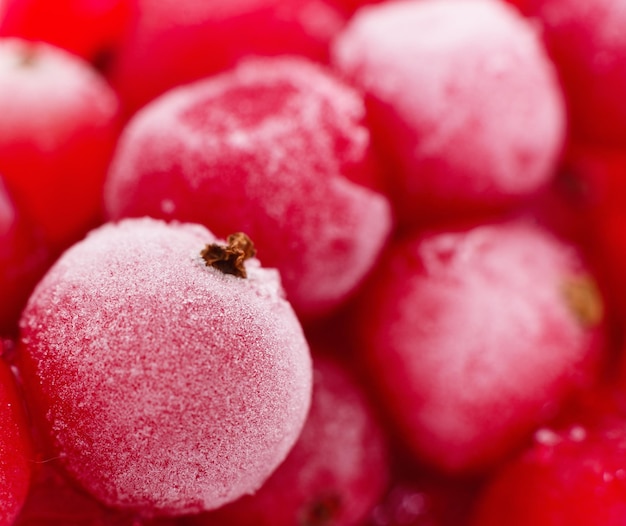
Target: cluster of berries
312, 263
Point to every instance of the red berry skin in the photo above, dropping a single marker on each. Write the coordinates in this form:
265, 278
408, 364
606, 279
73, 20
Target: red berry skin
23, 260
474, 337
174, 42
589, 51
352, 5
440, 77
87, 28
57, 134
570, 477
15, 448
336, 472
277, 148
164, 386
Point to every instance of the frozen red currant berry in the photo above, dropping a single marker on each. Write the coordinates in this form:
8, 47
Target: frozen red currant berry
276, 148
464, 102
475, 336
15, 448
168, 379
336, 472
57, 133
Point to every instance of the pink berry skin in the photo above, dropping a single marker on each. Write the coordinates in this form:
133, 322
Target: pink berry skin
474, 337
57, 134
172, 42
276, 148
165, 386
464, 103
15, 448
336, 472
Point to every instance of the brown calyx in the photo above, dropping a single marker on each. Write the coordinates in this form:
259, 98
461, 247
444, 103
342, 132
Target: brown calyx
585, 300
230, 258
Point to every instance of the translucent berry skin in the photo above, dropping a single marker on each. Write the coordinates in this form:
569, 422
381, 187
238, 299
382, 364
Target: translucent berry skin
336, 472
23, 260
164, 386
91, 30
276, 148
15, 448
172, 42
473, 337
440, 78
587, 45
57, 134
572, 477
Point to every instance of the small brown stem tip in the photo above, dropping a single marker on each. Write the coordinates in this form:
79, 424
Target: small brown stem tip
230, 258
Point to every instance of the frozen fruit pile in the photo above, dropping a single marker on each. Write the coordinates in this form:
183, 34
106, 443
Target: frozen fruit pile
312, 263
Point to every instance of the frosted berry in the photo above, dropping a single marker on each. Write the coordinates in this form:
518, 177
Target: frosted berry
335, 473
165, 385
276, 148
464, 103
475, 336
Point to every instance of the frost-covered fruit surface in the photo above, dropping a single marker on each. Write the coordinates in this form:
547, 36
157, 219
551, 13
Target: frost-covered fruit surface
336, 472
474, 336
212, 35
166, 385
57, 133
15, 448
464, 102
243, 151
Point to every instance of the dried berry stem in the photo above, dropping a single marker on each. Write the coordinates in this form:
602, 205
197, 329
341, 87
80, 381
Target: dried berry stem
230, 258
